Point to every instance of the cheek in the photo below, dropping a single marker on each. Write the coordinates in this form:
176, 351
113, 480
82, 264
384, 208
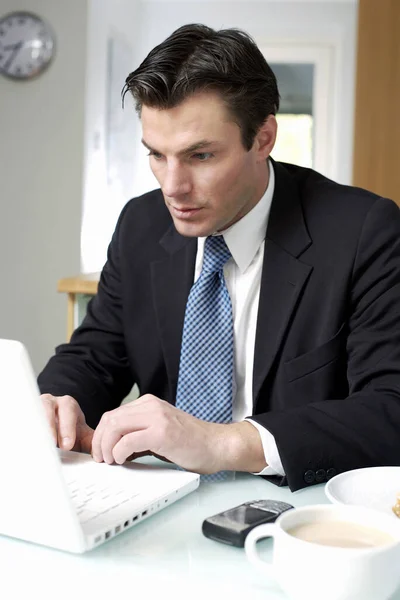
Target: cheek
227, 186
220, 179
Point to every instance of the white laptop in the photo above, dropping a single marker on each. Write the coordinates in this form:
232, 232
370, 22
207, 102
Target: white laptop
64, 499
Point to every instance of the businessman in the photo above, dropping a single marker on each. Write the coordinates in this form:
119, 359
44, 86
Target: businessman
256, 304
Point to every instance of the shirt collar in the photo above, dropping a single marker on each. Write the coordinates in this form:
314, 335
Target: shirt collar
245, 237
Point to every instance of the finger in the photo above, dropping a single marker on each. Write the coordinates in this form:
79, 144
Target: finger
112, 435
109, 439
86, 436
114, 430
96, 450
132, 443
68, 412
49, 405
115, 424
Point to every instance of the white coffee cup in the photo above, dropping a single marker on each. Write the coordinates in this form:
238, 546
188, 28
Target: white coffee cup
311, 571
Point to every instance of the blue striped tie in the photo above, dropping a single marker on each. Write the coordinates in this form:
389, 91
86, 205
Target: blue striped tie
205, 381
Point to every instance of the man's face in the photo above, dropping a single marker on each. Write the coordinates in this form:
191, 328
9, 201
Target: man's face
208, 179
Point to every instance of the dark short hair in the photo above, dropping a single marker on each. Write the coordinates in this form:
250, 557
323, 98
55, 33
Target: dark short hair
197, 58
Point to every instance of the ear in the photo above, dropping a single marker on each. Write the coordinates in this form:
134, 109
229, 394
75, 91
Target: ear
265, 138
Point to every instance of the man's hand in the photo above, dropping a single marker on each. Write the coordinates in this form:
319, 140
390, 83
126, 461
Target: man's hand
152, 426
67, 423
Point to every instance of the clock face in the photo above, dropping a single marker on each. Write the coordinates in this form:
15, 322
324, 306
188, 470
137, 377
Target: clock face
26, 45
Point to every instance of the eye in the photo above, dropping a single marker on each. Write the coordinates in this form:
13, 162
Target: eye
203, 156
156, 155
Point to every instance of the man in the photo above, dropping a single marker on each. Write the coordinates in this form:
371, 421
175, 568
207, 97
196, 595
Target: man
256, 304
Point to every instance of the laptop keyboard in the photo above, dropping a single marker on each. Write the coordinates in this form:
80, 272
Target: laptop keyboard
93, 498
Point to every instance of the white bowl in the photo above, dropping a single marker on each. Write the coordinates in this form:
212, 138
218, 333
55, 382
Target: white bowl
373, 487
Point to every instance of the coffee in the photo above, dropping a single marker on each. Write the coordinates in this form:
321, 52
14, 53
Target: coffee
341, 534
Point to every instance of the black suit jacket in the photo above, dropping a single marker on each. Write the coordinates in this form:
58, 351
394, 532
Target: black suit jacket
326, 378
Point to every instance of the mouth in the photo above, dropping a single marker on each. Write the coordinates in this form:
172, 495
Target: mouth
184, 213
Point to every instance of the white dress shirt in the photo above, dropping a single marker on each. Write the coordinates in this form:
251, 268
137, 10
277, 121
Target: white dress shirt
246, 240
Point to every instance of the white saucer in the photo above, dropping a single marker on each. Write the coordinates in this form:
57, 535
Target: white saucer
374, 487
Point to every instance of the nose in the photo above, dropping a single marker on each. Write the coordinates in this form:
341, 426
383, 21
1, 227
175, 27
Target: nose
176, 181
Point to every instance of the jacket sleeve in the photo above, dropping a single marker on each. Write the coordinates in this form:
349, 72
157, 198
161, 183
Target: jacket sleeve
93, 368
334, 435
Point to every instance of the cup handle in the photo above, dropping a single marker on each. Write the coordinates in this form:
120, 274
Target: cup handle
262, 531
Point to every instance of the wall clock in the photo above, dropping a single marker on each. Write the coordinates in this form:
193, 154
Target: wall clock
26, 45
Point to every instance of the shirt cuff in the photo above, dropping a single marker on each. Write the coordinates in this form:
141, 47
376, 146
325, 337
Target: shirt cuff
271, 453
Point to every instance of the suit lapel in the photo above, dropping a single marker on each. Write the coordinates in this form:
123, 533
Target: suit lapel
172, 279
283, 275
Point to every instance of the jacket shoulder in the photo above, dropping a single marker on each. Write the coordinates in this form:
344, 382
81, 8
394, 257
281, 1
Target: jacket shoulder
321, 196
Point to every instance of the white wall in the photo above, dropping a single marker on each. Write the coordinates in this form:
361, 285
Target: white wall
41, 158
52, 168
269, 22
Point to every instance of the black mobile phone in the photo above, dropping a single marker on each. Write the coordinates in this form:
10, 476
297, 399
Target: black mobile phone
231, 526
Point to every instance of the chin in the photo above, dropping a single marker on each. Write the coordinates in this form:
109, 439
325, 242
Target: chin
193, 229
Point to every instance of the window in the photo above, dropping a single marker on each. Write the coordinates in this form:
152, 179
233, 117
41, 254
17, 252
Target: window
306, 120
294, 143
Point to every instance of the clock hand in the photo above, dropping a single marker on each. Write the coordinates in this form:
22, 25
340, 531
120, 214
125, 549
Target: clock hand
11, 46
15, 48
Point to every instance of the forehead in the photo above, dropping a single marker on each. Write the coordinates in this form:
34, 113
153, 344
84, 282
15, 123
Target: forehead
203, 116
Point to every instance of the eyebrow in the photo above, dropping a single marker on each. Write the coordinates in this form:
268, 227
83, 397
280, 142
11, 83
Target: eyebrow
193, 148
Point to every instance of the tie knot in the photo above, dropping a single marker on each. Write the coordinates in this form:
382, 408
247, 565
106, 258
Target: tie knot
216, 253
